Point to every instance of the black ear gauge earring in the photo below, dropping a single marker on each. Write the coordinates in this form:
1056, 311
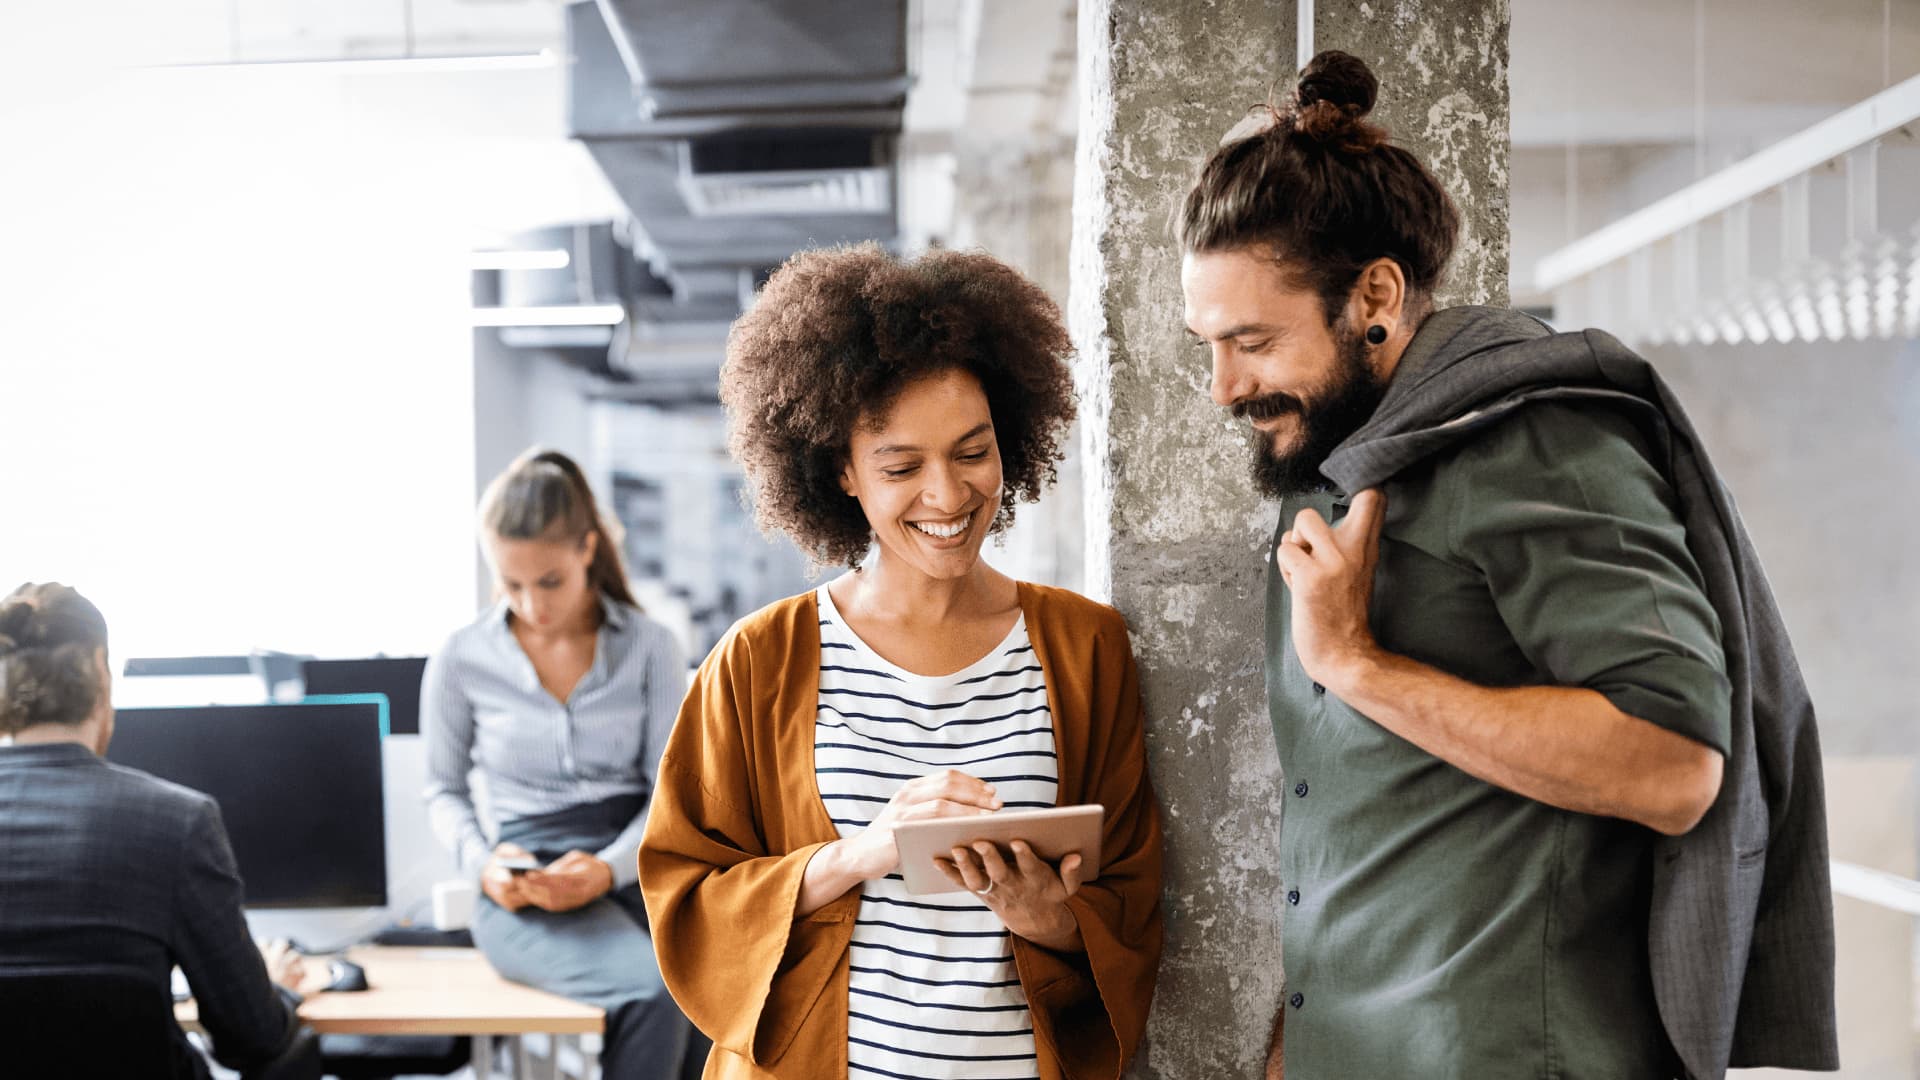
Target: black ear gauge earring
1376, 334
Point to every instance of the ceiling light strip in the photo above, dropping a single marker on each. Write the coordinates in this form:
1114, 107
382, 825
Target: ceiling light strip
390, 65
551, 315
535, 259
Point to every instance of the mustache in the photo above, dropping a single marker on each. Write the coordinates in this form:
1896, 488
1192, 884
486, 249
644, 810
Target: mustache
1267, 408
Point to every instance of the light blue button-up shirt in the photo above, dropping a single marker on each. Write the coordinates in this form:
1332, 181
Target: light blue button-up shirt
482, 707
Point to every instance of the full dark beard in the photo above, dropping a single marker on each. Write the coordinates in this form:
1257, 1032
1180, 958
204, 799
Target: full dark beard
1334, 412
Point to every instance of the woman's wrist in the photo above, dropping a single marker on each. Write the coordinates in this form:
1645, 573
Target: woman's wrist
865, 859
1061, 932
831, 872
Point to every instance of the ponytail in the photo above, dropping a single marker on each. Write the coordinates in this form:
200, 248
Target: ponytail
544, 495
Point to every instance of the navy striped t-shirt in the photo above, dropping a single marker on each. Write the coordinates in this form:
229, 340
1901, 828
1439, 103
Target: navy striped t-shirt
932, 990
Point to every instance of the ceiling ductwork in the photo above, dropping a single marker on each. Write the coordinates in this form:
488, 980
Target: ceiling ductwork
736, 132
787, 174
728, 57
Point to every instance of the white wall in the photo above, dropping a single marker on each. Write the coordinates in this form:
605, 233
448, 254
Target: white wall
237, 384
237, 374
1821, 447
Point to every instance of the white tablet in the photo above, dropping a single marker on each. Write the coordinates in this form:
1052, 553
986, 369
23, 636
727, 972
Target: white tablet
1053, 834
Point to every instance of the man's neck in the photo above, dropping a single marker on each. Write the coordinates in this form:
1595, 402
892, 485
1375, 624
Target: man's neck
54, 734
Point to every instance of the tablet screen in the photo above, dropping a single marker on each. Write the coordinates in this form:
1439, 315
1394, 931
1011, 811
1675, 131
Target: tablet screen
1053, 834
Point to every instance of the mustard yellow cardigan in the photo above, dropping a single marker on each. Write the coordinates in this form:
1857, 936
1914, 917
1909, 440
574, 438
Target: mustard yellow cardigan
737, 814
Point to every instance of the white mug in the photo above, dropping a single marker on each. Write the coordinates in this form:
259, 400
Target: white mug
453, 904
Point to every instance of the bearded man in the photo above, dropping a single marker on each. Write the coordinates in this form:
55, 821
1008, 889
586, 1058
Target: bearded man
1554, 804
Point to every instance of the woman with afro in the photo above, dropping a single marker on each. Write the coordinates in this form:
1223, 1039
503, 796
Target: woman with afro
891, 414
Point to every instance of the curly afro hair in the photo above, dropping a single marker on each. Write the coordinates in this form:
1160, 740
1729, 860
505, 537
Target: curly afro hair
834, 338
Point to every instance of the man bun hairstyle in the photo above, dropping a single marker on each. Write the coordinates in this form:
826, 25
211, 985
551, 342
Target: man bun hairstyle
49, 634
1326, 190
1334, 95
544, 495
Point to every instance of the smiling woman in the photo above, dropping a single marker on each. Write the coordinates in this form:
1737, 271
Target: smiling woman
902, 408
834, 339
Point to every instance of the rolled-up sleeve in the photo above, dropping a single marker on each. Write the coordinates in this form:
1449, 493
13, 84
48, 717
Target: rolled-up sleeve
1576, 528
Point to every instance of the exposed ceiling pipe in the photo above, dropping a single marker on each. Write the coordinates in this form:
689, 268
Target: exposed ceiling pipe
1303, 34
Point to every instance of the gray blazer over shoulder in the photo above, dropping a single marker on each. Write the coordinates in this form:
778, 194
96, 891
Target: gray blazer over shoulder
1741, 927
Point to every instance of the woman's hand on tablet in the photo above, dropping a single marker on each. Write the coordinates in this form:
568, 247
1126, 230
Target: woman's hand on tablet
1027, 893
943, 794
849, 863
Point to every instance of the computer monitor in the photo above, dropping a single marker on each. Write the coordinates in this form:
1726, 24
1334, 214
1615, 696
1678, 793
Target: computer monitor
299, 787
396, 677
259, 676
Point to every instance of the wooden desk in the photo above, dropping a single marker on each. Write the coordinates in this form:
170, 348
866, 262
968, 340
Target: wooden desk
414, 991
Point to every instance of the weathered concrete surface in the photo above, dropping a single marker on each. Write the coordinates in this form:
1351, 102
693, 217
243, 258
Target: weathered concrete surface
1175, 535
1015, 199
1442, 66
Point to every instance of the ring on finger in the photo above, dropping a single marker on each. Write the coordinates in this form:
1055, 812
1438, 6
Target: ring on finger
982, 892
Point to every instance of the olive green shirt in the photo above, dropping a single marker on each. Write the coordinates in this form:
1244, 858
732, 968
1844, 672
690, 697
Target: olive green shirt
1437, 926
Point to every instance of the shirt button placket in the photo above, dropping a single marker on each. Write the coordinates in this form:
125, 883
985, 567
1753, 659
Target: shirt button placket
1299, 792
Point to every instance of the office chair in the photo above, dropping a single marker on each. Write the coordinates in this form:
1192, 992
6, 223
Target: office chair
93, 1024
89, 1024
381, 1057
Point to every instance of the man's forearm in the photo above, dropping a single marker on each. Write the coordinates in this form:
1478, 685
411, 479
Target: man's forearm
1564, 746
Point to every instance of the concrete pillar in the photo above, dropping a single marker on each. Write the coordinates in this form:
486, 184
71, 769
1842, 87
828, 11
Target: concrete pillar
1443, 95
1015, 200
1175, 535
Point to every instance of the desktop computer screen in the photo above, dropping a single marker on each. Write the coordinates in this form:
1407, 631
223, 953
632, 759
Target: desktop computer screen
299, 787
396, 677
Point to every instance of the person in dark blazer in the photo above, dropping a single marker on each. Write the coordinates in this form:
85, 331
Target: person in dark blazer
108, 869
